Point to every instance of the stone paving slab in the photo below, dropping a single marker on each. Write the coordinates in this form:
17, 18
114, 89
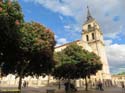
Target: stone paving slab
107, 90
80, 90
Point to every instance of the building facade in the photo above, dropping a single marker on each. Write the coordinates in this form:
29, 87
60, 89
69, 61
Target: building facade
118, 80
92, 40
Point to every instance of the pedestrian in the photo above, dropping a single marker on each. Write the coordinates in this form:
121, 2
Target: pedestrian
27, 83
66, 84
100, 86
24, 84
123, 86
73, 88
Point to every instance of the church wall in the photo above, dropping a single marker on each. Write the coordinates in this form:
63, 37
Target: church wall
97, 46
60, 48
103, 56
118, 80
11, 81
93, 24
99, 49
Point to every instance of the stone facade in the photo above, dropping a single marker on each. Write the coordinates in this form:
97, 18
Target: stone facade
118, 80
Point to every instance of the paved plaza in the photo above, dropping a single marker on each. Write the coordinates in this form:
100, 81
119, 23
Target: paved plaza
80, 90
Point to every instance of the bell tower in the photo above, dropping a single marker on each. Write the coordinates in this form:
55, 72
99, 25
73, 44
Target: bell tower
93, 36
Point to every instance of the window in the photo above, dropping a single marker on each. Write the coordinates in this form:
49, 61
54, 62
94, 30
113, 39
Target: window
87, 37
93, 36
89, 27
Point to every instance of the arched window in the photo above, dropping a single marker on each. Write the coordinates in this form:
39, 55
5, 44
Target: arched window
93, 36
89, 27
87, 37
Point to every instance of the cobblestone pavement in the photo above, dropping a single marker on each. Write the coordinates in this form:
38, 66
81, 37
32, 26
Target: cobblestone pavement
80, 90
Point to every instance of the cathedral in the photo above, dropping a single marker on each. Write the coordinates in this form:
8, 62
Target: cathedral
92, 40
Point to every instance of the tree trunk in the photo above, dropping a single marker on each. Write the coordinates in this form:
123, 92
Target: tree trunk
20, 82
59, 85
69, 88
48, 80
86, 84
21, 76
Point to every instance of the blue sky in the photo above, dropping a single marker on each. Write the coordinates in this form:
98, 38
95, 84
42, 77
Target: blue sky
66, 17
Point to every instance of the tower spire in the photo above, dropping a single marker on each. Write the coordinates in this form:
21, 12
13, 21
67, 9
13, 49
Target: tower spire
89, 17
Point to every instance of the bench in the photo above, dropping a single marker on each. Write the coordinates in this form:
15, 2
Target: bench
50, 91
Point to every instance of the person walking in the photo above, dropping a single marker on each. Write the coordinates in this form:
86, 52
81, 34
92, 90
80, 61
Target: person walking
66, 84
123, 87
24, 84
100, 86
27, 83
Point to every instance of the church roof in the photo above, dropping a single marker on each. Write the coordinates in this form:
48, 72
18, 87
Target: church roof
89, 17
67, 44
88, 21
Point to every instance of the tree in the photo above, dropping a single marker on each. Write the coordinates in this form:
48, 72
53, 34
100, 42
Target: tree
37, 46
11, 20
66, 60
35, 56
75, 63
121, 73
26, 48
88, 66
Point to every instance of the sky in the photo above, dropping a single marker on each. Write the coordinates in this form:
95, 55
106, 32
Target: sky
66, 17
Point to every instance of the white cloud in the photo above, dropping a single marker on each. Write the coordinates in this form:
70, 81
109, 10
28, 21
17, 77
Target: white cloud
116, 57
72, 28
122, 31
108, 42
54, 5
67, 27
55, 36
61, 18
58, 45
61, 41
77, 9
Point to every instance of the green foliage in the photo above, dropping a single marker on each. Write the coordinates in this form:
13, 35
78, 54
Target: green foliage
74, 52
90, 65
121, 73
73, 62
38, 42
65, 71
35, 54
25, 48
37, 38
11, 19
61, 58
